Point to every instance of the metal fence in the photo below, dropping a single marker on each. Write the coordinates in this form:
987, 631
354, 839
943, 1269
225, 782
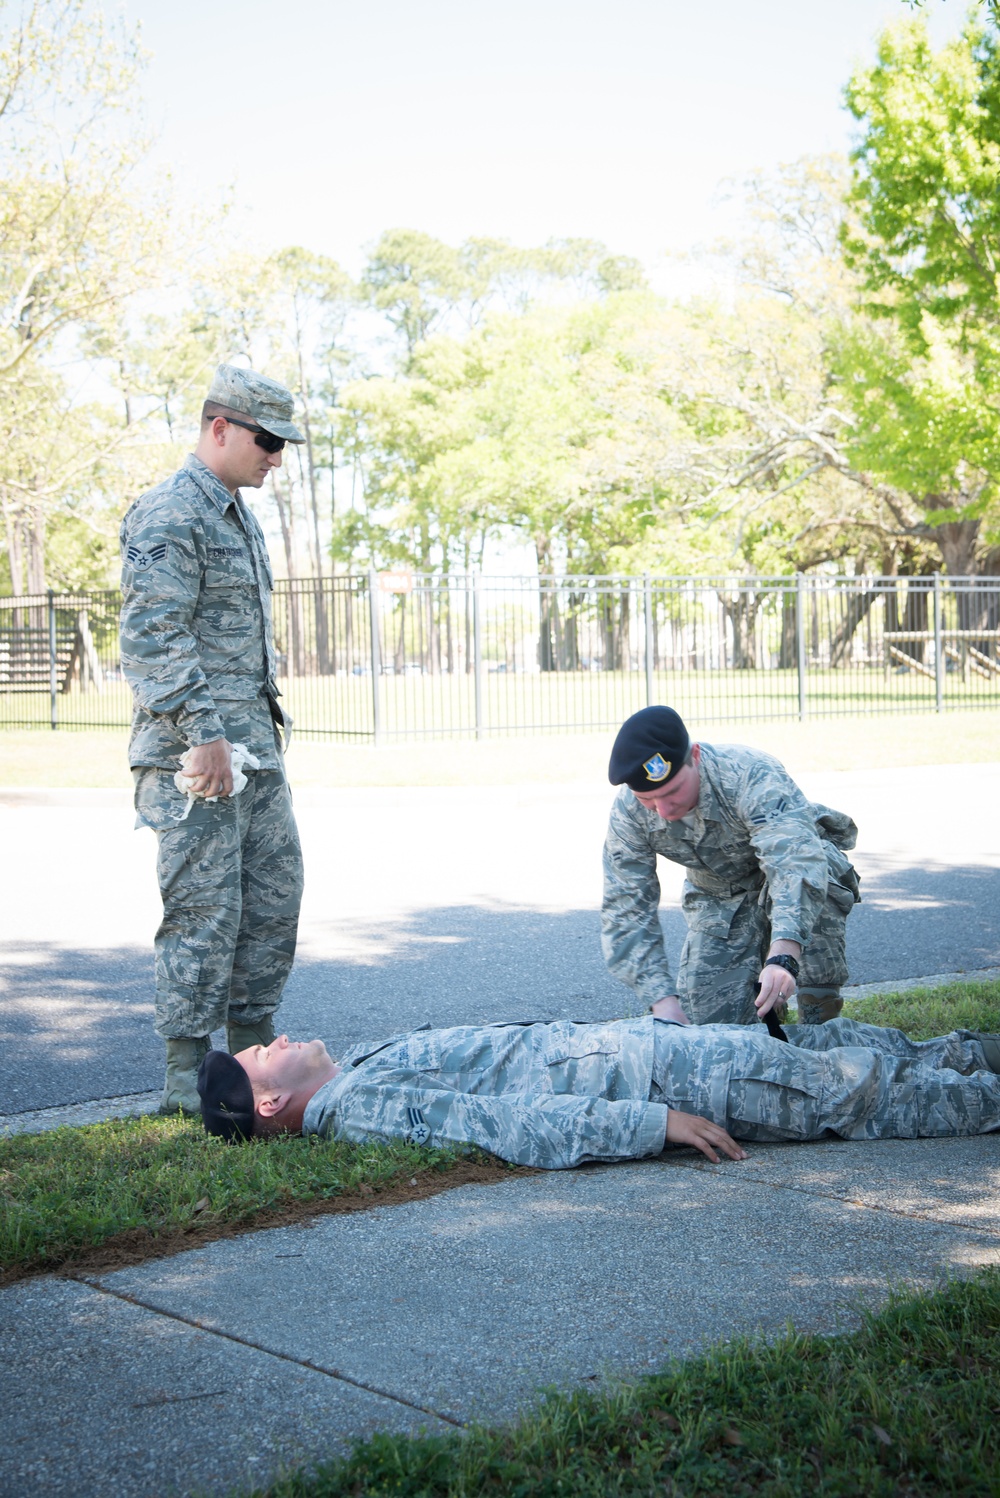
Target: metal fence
393, 656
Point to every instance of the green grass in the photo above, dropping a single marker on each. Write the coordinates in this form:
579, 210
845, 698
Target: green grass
533, 702
91, 758
924, 1012
907, 1407
150, 1180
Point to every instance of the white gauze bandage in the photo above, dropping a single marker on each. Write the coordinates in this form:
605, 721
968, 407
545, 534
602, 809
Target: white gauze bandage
242, 758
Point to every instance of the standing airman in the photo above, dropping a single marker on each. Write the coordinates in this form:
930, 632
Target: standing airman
198, 652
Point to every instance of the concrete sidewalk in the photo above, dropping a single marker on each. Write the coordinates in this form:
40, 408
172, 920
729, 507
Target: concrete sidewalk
169, 1379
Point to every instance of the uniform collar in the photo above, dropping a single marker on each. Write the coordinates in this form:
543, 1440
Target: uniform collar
207, 482
708, 805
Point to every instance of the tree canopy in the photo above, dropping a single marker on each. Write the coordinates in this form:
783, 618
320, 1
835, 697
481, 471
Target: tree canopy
833, 405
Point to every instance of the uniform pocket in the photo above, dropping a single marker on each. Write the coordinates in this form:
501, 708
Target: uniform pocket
708, 913
157, 801
842, 898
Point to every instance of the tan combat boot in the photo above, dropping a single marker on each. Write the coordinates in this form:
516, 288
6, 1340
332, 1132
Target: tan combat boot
991, 1049
242, 1037
180, 1090
819, 1006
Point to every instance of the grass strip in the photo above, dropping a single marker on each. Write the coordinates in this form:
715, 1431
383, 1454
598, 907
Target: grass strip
130, 1187
925, 1012
125, 1189
905, 1407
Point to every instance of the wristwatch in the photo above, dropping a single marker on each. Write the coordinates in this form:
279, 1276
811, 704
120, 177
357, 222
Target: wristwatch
782, 959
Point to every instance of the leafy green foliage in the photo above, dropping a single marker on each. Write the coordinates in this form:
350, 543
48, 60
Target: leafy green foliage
922, 237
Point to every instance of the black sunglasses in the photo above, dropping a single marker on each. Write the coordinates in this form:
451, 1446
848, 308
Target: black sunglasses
266, 440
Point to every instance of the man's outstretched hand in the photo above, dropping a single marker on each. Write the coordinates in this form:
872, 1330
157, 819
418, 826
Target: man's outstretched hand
701, 1134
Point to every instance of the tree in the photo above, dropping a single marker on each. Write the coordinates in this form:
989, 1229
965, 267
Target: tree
923, 241
74, 246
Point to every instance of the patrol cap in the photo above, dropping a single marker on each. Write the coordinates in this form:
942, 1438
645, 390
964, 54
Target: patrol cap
650, 749
269, 404
226, 1097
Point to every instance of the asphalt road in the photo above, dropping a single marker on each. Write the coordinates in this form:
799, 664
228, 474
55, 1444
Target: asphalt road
447, 905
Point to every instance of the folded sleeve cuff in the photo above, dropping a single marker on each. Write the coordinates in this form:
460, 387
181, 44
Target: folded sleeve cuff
653, 1133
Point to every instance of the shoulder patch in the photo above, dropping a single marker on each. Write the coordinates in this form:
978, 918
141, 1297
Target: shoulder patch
141, 559
779, 806
419, 1130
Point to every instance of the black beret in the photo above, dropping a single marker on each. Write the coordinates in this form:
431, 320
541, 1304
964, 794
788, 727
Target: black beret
650, 749
226, 1097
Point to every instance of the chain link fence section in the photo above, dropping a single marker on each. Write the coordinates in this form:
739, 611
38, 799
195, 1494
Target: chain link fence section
384, 657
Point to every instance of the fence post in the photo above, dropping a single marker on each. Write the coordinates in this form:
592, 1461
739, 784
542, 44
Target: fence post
939, 661
477, 651
53, 698
647, 599
800, 639
376, 654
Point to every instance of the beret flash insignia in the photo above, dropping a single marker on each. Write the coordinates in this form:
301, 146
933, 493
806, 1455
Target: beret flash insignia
657, 768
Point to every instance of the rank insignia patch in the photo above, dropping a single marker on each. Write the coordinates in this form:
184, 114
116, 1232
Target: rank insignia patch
657, 768
140, 559
419, 1130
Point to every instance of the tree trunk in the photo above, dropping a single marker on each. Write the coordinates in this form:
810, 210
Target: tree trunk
14, 551
293, 622
287, 525
322, 625
547, 660
741, 611
788, 649
856, 608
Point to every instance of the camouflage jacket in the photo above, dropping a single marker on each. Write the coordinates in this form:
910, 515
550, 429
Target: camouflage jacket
543, 1094
752, 827
196, 642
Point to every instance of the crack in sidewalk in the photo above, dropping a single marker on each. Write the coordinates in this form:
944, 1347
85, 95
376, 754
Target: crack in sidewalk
271, 1352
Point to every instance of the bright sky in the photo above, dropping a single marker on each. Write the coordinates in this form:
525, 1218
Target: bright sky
525, 119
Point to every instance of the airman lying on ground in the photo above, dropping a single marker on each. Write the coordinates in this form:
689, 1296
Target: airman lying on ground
555, 1093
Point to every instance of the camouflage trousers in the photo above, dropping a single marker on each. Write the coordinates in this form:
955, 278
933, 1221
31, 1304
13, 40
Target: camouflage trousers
726, 945
230, 876
844, 1078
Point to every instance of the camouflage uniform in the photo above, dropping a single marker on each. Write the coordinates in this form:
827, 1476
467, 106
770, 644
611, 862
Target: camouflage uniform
198, 652
856, 1081
763, 864
541, 1094
555, 1094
